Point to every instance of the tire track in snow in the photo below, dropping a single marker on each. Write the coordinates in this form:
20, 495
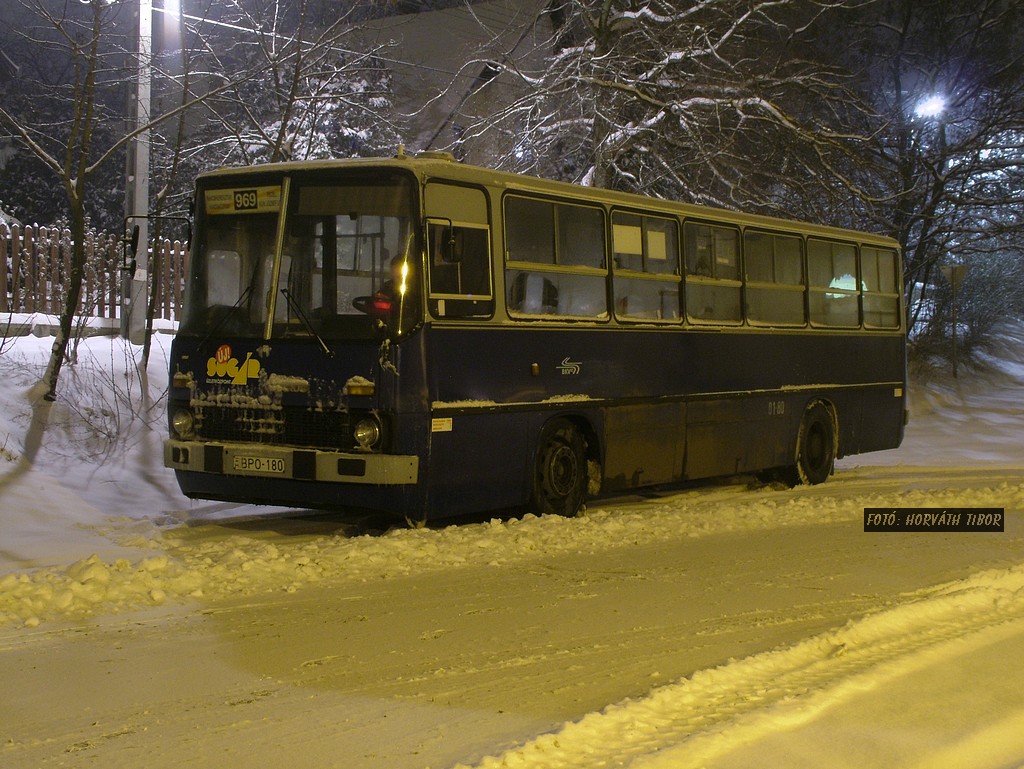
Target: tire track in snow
687, 723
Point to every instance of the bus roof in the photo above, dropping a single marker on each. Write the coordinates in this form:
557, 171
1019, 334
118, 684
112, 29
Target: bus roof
443, 166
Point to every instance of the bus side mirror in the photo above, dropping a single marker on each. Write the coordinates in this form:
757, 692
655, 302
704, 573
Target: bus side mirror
450, 256
441, 237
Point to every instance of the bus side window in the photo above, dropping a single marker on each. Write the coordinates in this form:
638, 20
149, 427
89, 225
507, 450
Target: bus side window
646, 276
580, 236
773, 267
473, 252
881, 293
832, 280
713, 287
567, 244
531, 293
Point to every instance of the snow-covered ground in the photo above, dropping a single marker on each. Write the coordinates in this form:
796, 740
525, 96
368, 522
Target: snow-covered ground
724, 625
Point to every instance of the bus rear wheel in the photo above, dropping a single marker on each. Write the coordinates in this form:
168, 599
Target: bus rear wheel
815, 446
560, 470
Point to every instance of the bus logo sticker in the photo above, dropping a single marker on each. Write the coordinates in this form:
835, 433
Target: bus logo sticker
223, 364
570, 367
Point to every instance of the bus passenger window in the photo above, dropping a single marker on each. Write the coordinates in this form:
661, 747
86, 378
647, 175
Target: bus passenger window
582, 296
646, 275
529, 230
699, 254
773, 268
757, 257
832, 279
627, 242
557, 294
881, 294
789, 261
713, 287
727, 254
714, 303
639, 299
775, 306
569, 241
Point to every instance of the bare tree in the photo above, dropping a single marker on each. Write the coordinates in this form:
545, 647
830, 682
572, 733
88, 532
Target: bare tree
69, 150
81, 133
943, 169
314, 91
701, 101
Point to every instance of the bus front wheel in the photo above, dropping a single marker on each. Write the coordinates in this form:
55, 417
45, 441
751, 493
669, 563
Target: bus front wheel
560, 470
815, 446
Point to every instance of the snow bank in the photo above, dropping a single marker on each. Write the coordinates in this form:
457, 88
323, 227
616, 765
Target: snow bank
212, 563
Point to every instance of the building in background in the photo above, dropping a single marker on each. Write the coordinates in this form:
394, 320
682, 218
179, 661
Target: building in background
455, 71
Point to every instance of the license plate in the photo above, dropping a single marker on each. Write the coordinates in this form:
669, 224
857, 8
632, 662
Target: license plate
244, 464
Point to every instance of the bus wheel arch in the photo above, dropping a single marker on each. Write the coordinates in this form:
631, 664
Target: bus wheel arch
817, 443
563, 466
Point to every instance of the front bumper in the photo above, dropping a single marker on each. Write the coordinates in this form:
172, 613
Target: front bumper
290, 463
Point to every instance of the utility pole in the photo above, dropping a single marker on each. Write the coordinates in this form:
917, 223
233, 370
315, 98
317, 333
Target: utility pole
135, 280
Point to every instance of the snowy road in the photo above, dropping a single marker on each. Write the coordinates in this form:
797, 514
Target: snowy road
380, 668
718, 626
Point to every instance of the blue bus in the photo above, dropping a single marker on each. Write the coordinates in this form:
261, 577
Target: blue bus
427, 338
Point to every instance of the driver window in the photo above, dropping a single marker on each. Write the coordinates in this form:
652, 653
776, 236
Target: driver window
459, 261
458, 252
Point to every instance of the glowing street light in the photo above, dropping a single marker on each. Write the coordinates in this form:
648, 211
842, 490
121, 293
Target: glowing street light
933, 106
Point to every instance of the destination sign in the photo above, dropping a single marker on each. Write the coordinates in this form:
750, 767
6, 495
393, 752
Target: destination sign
243, 200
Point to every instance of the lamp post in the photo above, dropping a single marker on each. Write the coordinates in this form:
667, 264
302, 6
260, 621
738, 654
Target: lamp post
134, 281
933, 108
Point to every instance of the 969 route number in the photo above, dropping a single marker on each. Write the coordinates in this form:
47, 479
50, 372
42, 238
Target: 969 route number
246, 200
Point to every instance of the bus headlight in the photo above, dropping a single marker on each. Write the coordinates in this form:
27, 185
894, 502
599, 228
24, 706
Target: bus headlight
182, 422
368, 433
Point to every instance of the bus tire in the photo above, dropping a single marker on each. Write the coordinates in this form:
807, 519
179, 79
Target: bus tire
560, 470
815, 445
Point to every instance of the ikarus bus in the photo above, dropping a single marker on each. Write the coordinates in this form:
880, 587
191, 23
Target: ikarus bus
427, 338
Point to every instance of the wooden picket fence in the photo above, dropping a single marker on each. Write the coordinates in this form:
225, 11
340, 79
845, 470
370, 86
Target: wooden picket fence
35, 262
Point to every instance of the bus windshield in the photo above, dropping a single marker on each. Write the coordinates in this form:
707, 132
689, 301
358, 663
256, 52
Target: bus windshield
338, 264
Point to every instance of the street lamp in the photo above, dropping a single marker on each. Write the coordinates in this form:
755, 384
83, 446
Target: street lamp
933, 106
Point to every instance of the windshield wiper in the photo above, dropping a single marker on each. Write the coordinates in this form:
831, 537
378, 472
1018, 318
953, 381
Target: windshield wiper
305, 322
